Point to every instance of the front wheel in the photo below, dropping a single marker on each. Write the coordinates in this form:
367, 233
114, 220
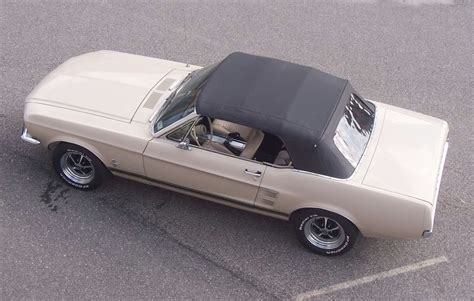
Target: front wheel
324, 232
78, 167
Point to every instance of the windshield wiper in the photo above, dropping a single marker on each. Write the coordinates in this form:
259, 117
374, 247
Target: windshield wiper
180, 84
171, 96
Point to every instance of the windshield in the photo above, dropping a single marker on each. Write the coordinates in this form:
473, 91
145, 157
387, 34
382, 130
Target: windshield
182, 101
353, 130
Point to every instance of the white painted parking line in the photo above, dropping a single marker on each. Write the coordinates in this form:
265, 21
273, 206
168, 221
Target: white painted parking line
371, 278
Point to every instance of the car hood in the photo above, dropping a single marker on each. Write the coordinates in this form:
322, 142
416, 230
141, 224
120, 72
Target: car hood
409, 156
106, 83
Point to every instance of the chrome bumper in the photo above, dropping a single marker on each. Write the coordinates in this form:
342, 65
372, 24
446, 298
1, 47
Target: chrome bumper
427, 233
25, 136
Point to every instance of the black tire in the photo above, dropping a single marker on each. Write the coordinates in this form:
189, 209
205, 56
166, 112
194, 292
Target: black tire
65, 158
327, 240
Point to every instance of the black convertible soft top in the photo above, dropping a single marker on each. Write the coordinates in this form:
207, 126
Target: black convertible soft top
297, 103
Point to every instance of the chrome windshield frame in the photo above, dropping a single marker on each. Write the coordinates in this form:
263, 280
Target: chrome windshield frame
172, 126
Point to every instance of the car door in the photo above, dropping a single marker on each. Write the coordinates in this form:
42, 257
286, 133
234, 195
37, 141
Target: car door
206, 171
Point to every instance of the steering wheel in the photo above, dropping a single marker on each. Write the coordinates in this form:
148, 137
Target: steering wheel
211, 131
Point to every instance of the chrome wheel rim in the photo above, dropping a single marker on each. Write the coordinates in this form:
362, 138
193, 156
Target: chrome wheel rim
324, 232
77, 167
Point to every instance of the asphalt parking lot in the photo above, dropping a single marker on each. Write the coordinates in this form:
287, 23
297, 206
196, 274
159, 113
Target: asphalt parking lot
130, 241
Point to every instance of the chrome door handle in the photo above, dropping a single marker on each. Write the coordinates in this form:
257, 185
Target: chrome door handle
255, 174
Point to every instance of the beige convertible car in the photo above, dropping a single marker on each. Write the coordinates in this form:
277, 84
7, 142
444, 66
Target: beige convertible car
255, 133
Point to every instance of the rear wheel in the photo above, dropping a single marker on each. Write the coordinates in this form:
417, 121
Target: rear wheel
78, 167
324, 232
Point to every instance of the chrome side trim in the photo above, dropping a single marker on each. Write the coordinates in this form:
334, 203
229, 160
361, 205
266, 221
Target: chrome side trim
25, 136
200, 194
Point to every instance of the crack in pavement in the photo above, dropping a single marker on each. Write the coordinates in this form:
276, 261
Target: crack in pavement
221, 265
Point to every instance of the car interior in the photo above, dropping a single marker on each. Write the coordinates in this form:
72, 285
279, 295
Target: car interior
238, 140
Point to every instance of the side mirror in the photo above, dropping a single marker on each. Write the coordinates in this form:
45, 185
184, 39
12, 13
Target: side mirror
184, 144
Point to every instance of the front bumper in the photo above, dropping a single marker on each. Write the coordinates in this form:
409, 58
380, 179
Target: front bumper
25, 136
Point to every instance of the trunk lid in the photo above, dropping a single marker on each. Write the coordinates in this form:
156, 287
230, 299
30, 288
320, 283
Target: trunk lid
409, 155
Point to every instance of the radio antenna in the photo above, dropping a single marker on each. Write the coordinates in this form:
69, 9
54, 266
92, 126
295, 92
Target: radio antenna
185, 31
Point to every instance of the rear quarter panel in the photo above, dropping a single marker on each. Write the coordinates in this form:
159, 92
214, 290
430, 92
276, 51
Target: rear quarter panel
376, 213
